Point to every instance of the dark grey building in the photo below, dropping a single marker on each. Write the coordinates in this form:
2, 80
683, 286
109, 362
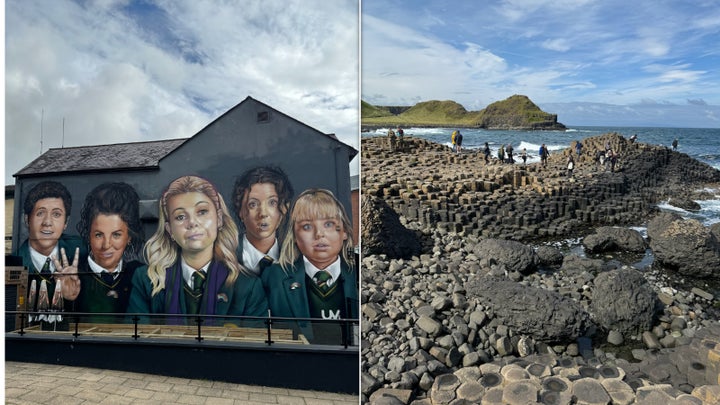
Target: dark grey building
248, 135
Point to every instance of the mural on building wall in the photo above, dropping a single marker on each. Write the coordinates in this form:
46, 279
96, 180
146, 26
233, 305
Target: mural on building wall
279, 254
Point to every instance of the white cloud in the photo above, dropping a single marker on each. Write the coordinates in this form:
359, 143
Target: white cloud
558, 44
117, 73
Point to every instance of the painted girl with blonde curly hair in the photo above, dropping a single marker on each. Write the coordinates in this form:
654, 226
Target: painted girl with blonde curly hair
192, 266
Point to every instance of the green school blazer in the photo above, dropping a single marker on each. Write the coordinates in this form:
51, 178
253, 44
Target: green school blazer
287, 293
67, 242
245, 297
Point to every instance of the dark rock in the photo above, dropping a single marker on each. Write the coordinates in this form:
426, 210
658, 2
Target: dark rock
715, 229
491, 379
471, 391
520, 392
660, 222
542, 314
684, 203
685, 246
549, 256
623, 300
608, 238
574, 264
387, 396
590, 391
369, 383
515, 256
382, 232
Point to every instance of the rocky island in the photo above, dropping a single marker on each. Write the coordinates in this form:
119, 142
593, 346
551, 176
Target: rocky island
470, 297
514, 113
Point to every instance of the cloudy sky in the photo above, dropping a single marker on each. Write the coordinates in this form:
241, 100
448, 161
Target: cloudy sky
593, 62
135, 70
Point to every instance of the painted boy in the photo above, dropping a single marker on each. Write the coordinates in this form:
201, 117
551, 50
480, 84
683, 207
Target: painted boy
49, 254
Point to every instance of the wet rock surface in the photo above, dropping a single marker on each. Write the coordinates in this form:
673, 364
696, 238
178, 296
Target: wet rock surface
451, 326
685, 245
609, 239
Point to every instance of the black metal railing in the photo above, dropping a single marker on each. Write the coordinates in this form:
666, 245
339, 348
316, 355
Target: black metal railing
206, 325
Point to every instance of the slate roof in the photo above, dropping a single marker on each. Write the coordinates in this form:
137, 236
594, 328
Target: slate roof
134, 155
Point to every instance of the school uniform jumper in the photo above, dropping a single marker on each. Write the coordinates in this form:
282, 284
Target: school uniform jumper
98, 295
244, 298
287, 293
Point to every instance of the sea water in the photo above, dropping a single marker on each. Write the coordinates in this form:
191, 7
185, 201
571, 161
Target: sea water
702, 144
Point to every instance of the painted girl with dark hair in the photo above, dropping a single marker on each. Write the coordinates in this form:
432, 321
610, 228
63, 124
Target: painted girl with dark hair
110, 224
262, 197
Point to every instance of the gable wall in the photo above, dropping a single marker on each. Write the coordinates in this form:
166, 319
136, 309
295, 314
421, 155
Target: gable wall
221, 152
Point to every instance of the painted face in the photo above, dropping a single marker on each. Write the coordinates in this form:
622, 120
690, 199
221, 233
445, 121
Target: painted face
320, 240
108, 239
46, 223
260, 213
192, 222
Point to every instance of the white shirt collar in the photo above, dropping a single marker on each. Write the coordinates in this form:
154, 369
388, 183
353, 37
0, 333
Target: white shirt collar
97, 269
188, 271
333, 269
251, 256
39, 259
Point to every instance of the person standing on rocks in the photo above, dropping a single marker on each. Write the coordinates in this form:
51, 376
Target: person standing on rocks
613, 160
458, 141
675, 144
570, 165
393, 140
400, 139
486, 152
501, 154
509, 151
543, 155
452, 140
578, 148
523, 154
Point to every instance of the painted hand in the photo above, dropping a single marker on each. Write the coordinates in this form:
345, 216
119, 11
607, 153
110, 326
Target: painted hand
68, 273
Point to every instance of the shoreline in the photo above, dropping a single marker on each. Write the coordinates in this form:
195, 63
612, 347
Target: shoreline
364, 128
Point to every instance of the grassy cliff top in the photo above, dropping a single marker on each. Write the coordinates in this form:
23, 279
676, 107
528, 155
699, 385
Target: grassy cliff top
514, 112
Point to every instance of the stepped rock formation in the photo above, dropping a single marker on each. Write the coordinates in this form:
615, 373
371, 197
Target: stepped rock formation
426, 182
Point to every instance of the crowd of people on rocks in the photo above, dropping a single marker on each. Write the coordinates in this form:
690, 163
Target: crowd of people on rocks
606, 159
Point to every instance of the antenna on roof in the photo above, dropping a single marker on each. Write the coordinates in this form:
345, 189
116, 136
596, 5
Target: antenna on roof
62, 145
42, 116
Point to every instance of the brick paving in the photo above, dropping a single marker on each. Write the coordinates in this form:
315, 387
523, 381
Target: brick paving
35, 383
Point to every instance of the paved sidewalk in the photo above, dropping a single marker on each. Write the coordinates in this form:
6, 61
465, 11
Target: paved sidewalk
34, 383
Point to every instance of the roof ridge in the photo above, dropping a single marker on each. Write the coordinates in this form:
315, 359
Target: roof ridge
119, 143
